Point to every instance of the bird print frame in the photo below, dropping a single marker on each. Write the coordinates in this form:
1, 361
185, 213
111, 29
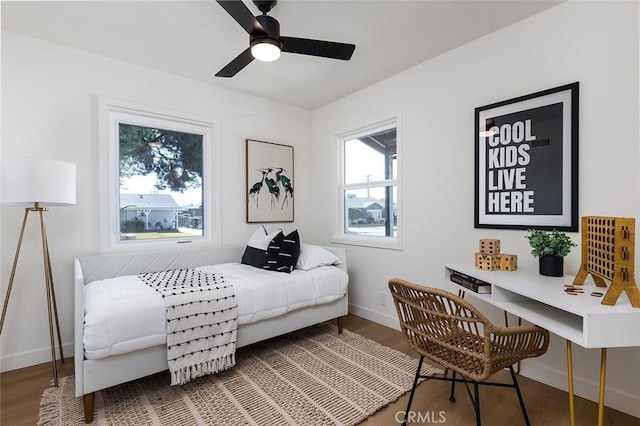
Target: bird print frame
269, 182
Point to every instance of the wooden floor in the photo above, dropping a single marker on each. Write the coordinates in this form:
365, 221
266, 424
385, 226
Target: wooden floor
20, 392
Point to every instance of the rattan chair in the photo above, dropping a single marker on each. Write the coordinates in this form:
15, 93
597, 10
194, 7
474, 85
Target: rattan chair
450, 331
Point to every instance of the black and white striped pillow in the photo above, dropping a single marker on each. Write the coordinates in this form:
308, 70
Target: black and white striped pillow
283, 252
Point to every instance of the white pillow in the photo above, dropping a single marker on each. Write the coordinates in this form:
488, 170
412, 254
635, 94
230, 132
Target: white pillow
314, 256
255, 254
260, 239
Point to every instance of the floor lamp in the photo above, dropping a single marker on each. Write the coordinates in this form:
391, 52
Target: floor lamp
38, 184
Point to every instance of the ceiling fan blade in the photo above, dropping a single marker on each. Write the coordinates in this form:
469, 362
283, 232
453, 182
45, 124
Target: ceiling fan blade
325, 49
235, 66
239, 11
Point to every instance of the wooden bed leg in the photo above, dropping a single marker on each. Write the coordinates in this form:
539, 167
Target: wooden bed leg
340, 321
88, 406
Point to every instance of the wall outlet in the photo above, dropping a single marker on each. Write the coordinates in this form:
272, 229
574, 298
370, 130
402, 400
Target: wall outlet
383, 299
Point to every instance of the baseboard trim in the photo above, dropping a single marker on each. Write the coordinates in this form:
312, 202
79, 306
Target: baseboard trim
587, 389
377, 317
29, 359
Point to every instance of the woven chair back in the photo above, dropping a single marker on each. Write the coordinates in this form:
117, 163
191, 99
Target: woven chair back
443, 327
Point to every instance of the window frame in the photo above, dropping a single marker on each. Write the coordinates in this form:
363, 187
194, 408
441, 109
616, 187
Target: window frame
112, 113
340, 236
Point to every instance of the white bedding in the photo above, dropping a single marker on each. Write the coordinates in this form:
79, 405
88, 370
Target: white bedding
124, 315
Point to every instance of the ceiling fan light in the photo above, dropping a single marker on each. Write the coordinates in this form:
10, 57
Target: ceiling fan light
265, 50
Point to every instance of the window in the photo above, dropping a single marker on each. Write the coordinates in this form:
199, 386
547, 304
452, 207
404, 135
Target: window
369, 187
160, 173
159, 177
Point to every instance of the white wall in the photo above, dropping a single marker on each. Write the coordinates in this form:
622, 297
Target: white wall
49, 110
595, 43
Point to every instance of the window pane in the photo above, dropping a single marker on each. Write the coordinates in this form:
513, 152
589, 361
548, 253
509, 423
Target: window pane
160, 183
371, 211
371, 157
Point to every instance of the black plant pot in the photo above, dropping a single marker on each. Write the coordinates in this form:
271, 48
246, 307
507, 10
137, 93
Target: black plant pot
551, 266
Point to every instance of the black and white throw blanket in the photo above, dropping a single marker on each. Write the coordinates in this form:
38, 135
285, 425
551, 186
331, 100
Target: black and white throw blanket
201, 321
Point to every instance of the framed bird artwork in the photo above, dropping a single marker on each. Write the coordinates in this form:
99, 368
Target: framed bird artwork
269, 182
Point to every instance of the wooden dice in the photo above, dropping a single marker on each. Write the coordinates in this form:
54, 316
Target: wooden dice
487, 262
508, 262
490, 259
490, 246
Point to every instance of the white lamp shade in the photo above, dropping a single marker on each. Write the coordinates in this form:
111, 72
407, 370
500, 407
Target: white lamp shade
47, 182
265, 51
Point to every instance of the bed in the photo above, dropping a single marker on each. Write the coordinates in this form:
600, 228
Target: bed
102, 364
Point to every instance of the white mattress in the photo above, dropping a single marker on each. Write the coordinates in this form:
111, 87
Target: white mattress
124, 315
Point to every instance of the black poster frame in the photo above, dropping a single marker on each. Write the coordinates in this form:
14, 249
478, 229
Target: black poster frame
526, 161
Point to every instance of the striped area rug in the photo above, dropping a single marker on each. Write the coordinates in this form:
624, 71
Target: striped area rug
311, 377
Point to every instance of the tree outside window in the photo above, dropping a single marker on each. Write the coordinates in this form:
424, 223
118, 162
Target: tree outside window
161, 183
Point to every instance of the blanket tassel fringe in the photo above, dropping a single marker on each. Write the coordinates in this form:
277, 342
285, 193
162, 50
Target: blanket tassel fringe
189, 372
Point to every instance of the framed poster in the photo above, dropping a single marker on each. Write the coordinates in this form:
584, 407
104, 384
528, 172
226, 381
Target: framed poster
269, 182
526, 168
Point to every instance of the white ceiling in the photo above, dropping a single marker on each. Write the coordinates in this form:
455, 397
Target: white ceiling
195, 39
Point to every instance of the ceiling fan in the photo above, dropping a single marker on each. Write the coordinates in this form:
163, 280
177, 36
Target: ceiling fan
265, 42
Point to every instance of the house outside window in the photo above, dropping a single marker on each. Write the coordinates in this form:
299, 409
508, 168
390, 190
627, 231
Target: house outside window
161, 186
160, 173
369, 195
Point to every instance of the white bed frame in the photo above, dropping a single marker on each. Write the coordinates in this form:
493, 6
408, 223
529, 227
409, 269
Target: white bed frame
93, 375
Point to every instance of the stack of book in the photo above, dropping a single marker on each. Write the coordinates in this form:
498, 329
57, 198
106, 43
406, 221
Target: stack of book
470, 283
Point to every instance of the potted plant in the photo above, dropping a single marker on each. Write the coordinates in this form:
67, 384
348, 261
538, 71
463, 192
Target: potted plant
551, 248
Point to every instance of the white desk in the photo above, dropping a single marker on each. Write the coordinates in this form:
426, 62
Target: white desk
579, 319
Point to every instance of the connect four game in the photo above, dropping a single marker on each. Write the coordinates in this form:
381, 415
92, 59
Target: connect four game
608, 254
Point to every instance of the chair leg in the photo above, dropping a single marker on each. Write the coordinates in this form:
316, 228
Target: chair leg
413, 391
475, 398
477, 402
452, 398
515, 385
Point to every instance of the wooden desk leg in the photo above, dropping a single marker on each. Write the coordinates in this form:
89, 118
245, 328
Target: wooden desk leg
572, 412
603, 373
